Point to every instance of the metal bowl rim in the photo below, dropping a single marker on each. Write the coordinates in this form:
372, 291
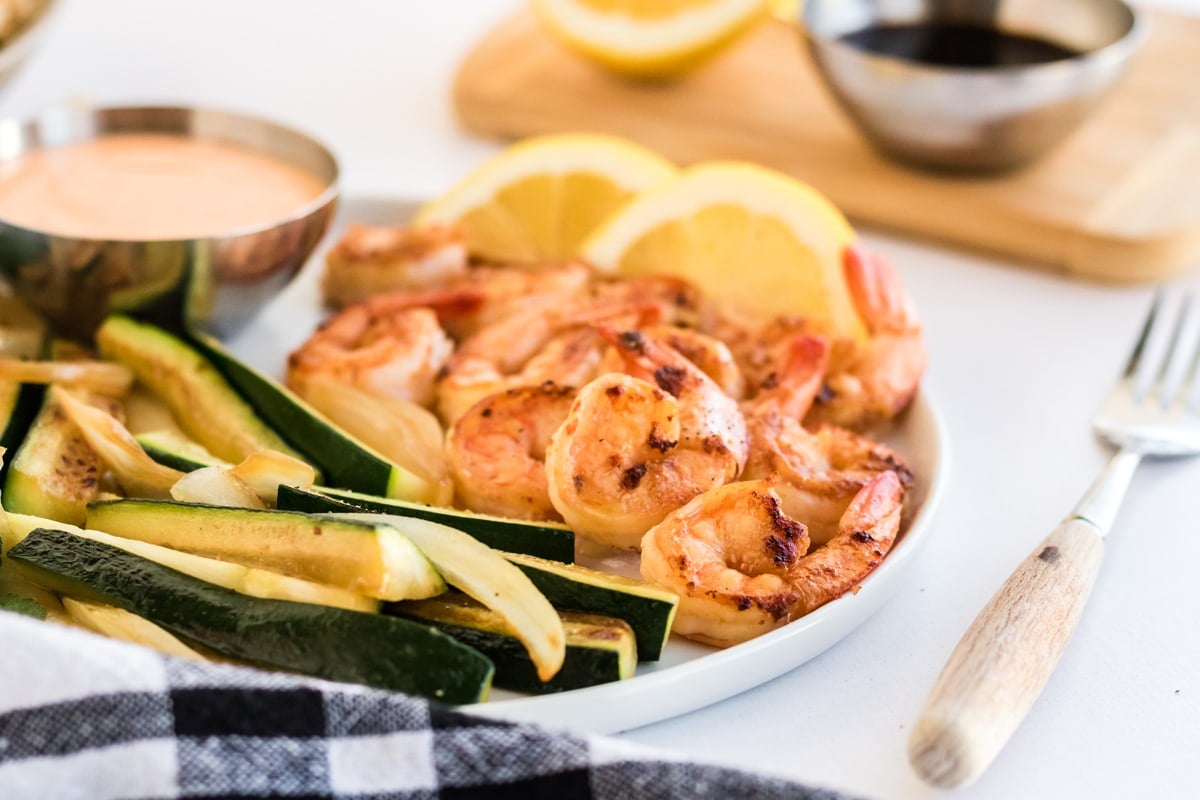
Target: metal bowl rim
1115, 52
328, 195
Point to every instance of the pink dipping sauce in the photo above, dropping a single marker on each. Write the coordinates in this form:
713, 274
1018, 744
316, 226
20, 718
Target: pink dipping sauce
135, 186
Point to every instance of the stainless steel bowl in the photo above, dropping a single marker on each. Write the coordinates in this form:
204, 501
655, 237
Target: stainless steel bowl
975, 119
216, 282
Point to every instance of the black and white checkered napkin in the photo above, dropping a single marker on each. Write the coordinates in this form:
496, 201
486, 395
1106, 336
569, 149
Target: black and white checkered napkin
87, 717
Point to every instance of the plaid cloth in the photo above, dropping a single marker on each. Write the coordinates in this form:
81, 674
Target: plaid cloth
86, 717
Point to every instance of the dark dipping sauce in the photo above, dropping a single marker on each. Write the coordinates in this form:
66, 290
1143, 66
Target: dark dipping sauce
952, 45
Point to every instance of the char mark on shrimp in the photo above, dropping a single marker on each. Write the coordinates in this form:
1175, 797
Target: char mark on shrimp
782, 550
670, 378
632, 341
658, 442
633, 476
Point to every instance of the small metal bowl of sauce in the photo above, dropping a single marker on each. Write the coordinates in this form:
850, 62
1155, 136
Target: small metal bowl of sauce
969, 86
185, 216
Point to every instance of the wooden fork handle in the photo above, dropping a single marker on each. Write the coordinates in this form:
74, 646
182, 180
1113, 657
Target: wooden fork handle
1005, 658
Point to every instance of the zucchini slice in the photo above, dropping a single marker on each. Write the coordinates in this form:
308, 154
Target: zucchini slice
484, 574
242, 579
543, 539
648, 609
19, 407
205, 405
599, 649
374, 560
54, 473
344, 460
371, 649
176, 452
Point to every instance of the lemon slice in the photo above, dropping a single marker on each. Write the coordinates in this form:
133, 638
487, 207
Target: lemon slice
539, 199
756, 239
648, 38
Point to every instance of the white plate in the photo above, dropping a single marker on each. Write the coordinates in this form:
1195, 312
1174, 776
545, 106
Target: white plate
689, 676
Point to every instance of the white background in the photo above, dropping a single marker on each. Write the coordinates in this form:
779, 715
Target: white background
1019, 360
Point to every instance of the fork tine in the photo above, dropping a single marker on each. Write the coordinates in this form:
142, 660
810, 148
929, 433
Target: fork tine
1190, 387
1172, 354
1139, 348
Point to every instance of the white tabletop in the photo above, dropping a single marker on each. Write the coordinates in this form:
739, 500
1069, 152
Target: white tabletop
1018, 361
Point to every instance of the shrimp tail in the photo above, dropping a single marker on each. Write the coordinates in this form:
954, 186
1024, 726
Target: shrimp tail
877, 291
866, 532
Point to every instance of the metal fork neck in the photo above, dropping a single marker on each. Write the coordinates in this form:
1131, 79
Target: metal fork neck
1102, 500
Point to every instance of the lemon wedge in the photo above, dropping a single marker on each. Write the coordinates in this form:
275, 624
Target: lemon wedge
648, 38
539, 199
750, 237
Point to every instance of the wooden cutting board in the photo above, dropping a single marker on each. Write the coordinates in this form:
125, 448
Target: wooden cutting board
1120, 200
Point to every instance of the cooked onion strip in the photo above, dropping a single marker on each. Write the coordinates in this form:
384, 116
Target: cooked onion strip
265, 470
215, 486
127, 626
138, 474
489, 578
404, 433
102, 377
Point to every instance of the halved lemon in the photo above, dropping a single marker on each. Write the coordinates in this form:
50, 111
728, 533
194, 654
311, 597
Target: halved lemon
750, 237
539, 199
648, 38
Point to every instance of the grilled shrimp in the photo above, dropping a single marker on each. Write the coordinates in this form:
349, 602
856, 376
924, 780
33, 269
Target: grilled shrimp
368, 261
497, 451
873, 381
741, 566
529, 349
681, 302
395, 354
818, 471
631, 450
485, 296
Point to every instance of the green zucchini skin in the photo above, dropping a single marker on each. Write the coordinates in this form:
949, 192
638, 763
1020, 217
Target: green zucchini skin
648, 609
375, 650
170, 458
208, 406
544, 540
599, 649
54, 473
17, 416
344, 461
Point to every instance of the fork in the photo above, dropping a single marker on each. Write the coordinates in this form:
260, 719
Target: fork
1004, 659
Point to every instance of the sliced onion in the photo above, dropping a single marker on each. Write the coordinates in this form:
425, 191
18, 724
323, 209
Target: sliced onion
489, 578
265, 470
127, 626
403, 432
138, 474
102, 377
216, 486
